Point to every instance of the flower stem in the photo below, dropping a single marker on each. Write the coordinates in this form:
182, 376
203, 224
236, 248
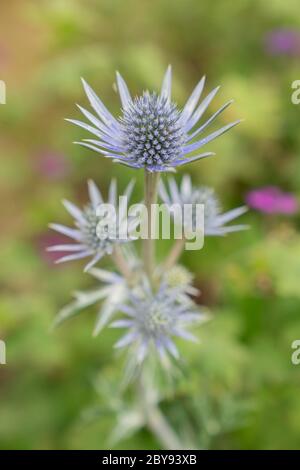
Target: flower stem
151, 183
121, 263
155, 420
174, 254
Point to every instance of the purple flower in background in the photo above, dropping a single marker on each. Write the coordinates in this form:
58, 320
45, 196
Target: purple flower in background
52, 165
3, 54
44, 240
283, 42
271, 200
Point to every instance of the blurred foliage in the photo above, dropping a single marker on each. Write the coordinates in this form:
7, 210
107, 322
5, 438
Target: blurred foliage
238, 388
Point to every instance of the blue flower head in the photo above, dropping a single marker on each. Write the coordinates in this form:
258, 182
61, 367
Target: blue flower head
88, 243
152, 132
154, 319
214, 219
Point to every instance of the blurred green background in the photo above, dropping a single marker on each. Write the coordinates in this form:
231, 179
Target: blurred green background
60, 390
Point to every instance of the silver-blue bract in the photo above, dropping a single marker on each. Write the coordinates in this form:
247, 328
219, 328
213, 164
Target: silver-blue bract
153, 319
112, 291
88, 243
214, 219
152, 132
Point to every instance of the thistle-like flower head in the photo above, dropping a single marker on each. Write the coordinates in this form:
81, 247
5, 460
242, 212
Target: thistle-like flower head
152, 132
153, 319
86, 231
214, 220
180, 276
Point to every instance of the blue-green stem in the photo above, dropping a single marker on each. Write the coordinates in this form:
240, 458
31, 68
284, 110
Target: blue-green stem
151, 185
155, 421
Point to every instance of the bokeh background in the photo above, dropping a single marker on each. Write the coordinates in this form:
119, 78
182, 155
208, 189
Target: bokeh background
61, 390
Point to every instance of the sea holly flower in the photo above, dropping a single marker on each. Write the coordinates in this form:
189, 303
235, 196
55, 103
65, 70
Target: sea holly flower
152, 132
186, 194
153, 319
154, 301
86, 233
180, 276
181, 279
114, 290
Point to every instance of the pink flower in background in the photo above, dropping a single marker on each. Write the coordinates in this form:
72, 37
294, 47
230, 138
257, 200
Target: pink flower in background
283, 42
271, 200
52, 165
44, 240
4, 54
